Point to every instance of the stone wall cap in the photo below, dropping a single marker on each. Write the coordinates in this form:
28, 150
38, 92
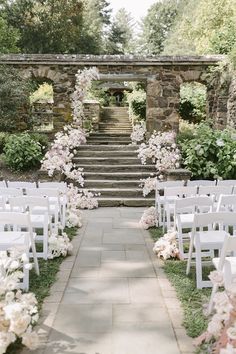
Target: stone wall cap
91, 101
78, 59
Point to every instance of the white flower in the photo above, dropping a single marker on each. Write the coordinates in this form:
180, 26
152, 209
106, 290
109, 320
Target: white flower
220, 142
30, 340
231, 332
214, 328
216, 277
148, 218
228, 350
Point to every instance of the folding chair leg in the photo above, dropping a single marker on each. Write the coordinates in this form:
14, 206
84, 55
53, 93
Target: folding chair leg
189, 256
36, 264
199, 268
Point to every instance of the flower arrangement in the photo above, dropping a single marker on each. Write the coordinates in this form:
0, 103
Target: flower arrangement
149, 185
166, 246
220, 336
138, 134
18, 311
59, 245
162, 150
149, 218
60, 156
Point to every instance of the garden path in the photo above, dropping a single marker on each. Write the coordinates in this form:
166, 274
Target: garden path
112, 297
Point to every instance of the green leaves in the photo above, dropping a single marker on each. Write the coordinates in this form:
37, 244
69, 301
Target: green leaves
22, 152
210, 153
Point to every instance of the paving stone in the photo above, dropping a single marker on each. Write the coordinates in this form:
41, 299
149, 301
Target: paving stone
97, 291
123, 236
143, 290
126, 223
113, 256
88, 259
185, 342
79, 343
126, 269
85, 272
151, 338
139, 313
84, 318
137, 256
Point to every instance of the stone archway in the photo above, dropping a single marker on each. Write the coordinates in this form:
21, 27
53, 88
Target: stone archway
163, 76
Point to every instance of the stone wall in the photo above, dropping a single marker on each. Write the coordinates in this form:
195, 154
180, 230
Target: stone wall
231, 104
92, 114
163, 76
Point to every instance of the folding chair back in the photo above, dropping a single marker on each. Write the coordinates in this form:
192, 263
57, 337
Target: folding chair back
201, 182
2, 203
180, 192
215, 191
61, 186
3, 184
226, 182
21, 184
227, 203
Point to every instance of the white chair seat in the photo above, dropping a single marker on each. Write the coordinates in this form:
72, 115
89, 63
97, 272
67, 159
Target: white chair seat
186, 220
211, 239
232, 261
13, 239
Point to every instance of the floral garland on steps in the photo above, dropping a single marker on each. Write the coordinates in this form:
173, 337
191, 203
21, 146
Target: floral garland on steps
60, 159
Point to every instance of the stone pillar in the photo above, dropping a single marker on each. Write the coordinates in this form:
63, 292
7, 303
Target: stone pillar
62, 113
231, 104
91, 114
162, 102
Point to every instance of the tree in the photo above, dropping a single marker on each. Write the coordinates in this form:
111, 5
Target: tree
120, 34
9, 38
157, 25
204, 27
52, 26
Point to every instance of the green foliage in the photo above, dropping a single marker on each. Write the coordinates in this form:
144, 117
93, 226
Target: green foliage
186, 131
193, 102
22, 152
210, 153
65, 26
137, 102
42, 139
3, 138
120, 35
44, 93
9, 38
204, 27
157, 25
14, 100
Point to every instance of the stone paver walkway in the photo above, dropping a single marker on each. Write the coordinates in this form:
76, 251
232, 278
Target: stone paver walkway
112, 297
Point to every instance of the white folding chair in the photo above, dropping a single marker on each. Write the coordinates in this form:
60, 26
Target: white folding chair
159, 199
10, 192
226, 264
171, 194
201, 182
205, 237
184, 211
39, 216
21, 184
3, 205
3, 184
226, 203
62, 187
226, 182
54, 202
16, 232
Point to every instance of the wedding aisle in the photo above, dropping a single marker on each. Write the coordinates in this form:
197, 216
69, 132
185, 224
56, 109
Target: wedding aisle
112, 297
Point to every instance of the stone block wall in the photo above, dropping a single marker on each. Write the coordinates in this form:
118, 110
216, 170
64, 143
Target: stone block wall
92, 114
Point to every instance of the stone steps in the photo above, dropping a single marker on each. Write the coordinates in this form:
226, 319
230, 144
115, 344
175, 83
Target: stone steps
117, 168
121, 176
102, 183
116, 160
128, 202
110, 162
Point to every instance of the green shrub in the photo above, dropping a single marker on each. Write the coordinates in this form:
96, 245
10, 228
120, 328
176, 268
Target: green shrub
22, 152
42, 139
186, 131
137, 104
3, 138
193, 102
210, 153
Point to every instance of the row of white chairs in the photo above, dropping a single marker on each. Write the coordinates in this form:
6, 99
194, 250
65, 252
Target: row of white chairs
62, 186
165, 203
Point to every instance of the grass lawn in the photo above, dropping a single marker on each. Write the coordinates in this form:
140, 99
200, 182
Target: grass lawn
191, 298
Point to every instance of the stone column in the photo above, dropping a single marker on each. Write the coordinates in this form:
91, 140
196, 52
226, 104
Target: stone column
231, 104
162, 102
62, 112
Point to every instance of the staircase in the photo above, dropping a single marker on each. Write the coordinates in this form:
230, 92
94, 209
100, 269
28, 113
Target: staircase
111, 165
